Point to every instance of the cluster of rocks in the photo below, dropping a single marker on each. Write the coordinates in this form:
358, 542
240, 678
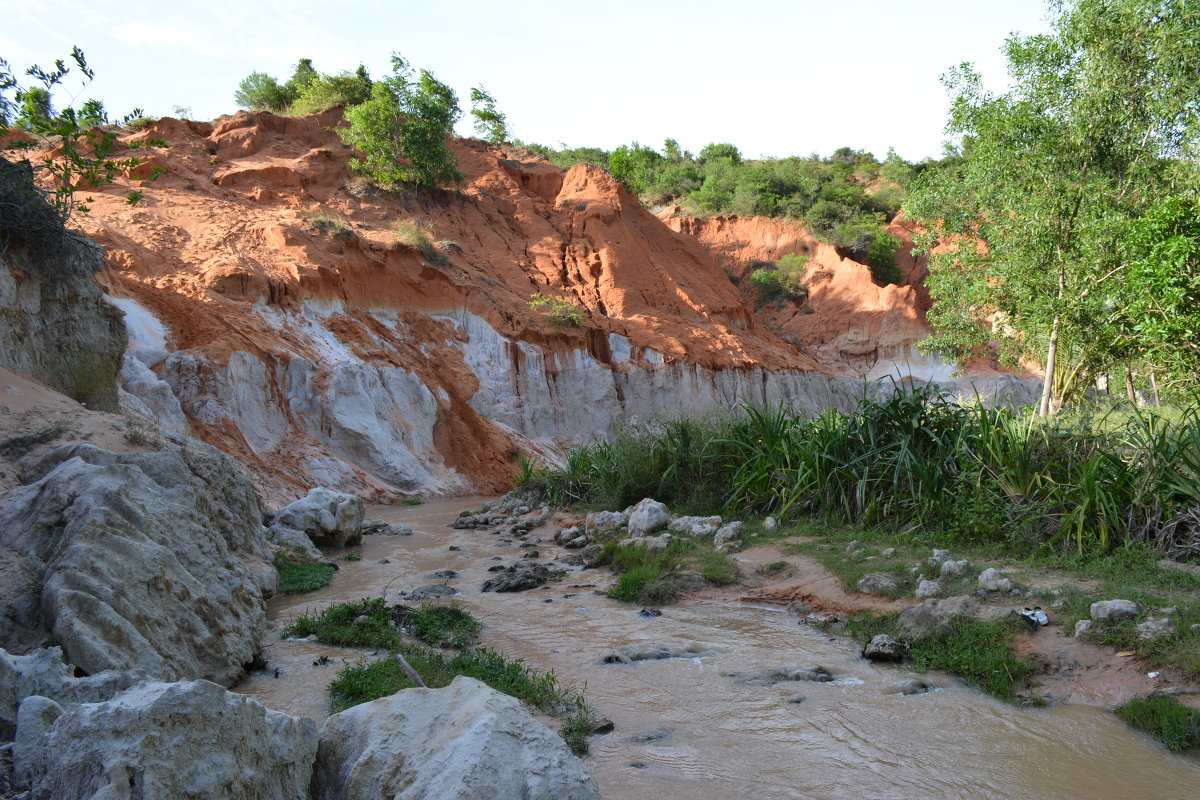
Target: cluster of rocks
648, 522
1106, 613
935, 576
511, 515
151, 574
120, 734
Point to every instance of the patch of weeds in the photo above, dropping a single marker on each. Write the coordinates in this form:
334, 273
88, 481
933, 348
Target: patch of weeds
141, 433
438, 625
657, 576
363, 682
17, 446
360, 623
633, 582
1164, 717
412, 501
978, 652
414, 234
332, 223
352, 557
773, 569
298, 575
558, 312
449, 246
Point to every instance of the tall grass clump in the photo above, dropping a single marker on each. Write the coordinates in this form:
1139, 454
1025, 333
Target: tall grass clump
414, 234
914, 459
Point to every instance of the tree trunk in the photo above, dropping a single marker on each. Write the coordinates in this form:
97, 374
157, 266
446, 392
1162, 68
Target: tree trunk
1051, 365
1129, 390
1154, 388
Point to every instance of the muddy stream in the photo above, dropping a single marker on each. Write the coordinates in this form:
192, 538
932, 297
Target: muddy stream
685, 731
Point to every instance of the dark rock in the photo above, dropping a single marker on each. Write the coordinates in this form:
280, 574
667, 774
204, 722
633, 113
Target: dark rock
603, 725
649, 612
654, 652
884, 648
497, 568
454, 548
383, 561
520, 580
910, 686
430, 592
531, 554
813, 673
654, 735
443, 574
374, 527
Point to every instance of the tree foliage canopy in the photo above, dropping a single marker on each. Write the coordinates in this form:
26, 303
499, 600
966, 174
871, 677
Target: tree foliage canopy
1101, 119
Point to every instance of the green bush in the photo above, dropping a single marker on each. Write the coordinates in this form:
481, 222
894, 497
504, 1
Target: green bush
360, 623
915, 459
441, 625
327, 91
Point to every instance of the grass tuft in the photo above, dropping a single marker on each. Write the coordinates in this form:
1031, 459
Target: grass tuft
332, 223
414, 234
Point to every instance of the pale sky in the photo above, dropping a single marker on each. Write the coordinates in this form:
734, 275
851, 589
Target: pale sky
774, 78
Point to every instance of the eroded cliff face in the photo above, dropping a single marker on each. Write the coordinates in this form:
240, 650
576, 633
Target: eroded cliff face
55, 324
337, 357
848, 322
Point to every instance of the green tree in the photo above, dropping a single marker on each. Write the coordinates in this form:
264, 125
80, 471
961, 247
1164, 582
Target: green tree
489, 122
1051, 175
327, 91
722, 151
79, 152
402, 130
304, 75
1159, 310
258, 91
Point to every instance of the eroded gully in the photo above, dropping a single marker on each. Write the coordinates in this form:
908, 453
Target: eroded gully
683, 730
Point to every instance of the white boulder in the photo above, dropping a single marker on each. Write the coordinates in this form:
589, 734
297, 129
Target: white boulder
331, 519
43, 672
647, 517
726, 535
992, 581
1108, 611
190, 739
466, 741
605, 521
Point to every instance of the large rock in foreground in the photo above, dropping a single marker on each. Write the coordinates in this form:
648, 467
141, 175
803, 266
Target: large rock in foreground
152, 561
44, 673
467, 742
164, 740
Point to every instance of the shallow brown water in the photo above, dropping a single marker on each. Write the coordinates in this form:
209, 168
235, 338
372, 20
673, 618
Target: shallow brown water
846, 739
